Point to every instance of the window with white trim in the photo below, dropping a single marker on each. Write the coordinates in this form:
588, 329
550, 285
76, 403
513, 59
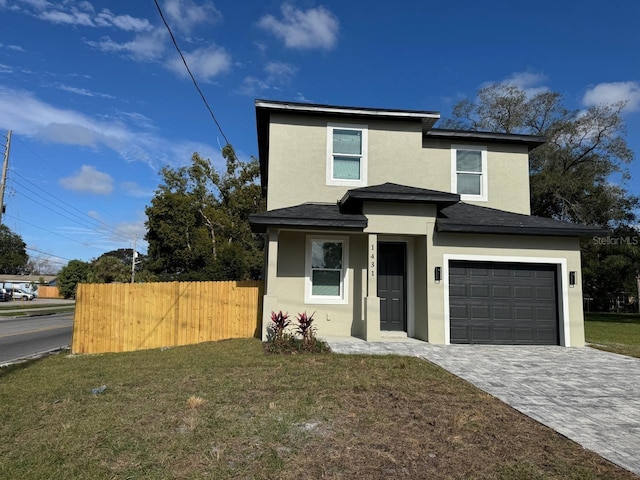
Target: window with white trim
326, 270
469, 172
347, 154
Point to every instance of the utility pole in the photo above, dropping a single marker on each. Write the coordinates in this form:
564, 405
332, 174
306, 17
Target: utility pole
5, 165
134, 255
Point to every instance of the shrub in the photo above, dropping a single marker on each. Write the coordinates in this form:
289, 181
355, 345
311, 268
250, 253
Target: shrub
280, 323
280, 341
305, 328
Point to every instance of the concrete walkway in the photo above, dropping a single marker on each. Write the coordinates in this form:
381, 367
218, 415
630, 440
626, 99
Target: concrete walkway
589, 396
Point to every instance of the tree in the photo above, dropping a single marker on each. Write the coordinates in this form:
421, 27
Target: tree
39, 266
13, 253
198, 225
571, 173
108, 269
611, 268
115, 266
75, 272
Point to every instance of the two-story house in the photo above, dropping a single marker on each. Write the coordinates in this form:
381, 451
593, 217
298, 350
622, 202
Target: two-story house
378, 222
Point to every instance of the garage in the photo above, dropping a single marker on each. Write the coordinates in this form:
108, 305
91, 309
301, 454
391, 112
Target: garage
503, 303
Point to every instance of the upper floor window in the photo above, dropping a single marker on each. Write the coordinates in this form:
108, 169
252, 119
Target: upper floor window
469, 172
347, 155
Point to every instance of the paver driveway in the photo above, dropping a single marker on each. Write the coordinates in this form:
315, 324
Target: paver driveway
590, 396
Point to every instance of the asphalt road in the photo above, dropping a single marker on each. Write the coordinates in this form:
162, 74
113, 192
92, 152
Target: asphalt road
27, 336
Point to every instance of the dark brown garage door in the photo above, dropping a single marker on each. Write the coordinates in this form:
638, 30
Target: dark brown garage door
503, 303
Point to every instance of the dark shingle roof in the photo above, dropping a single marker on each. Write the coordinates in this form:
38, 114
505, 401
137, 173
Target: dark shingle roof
531, 141
465, 218
392, 192
308, 215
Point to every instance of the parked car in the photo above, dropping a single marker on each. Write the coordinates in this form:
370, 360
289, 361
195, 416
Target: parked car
19, 294
4, 296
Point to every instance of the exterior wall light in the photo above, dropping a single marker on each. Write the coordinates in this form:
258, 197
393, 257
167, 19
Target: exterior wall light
438, 274
572, 279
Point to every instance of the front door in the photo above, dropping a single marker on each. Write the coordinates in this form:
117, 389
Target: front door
391, 285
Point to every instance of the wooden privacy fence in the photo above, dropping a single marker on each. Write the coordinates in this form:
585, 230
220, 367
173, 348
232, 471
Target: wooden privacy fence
48, 292
122, 317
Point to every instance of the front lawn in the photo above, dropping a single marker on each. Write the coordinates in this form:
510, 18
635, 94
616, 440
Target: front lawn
614, 332
226, 410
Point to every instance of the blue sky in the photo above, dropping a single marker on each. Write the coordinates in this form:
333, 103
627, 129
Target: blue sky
98, 100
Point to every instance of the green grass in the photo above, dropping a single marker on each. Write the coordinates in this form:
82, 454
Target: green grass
614, 332
226, 410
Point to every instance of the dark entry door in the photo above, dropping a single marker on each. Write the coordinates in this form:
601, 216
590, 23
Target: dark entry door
392, 285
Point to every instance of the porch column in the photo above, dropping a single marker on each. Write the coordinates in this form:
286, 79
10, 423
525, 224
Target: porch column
372, 301
270, 299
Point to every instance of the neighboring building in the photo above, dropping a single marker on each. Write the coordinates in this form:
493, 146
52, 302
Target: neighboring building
378, 222
26, 282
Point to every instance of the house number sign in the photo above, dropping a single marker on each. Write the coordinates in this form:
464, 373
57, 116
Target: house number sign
372, 261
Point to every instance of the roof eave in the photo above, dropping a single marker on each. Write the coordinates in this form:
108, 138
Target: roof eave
531, 141
518, 230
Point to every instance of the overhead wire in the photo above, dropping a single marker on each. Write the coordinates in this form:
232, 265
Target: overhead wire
77, 220
52, 232
98, 223
175, 43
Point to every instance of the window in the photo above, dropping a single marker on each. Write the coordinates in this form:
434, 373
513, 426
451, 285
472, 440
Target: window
326, 270
469, 172
346, 155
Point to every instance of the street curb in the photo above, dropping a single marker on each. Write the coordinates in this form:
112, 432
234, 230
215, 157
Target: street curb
35, 356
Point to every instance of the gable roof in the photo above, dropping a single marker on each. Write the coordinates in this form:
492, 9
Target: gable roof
308, 215
466, 218
392, 192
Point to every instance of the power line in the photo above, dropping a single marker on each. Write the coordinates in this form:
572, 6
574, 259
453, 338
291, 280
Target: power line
53, 233
47, 253
97, 223
81, 222
50, 166
175, 43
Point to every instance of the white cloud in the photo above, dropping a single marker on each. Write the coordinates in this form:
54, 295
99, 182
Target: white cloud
134, 189
79, 13
610, 93
5, 68
15, 48
252, 86
69, 18
276, 74
123, 22
89, 180
185, 14
301, 98
204, 63
84, 92
304, 29
280, 72
129, 135
531, 83
146, 46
